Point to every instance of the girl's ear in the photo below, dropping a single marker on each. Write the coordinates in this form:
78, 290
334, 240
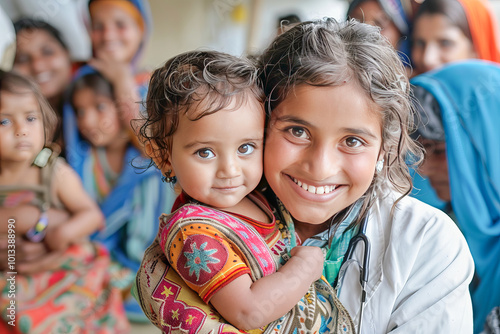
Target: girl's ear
153, 152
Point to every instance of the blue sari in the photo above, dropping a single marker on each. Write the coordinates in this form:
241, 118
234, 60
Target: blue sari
469, 99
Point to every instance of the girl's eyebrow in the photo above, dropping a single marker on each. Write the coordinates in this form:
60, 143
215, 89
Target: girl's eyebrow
293, 119
360, 131
356, 131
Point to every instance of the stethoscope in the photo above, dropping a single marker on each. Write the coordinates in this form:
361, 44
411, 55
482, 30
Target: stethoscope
363, 270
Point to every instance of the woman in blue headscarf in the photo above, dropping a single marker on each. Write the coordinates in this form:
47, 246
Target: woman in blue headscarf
133, 199
459, 126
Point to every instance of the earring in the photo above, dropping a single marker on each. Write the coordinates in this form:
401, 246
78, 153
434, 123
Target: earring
167, 178
379, 166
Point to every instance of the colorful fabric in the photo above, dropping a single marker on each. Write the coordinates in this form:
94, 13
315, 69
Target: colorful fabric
483, 28
334, 242
469, 110
172, 305
76, 298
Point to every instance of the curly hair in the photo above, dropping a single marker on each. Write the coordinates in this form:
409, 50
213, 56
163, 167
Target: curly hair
329, 53
15, 83
196, 84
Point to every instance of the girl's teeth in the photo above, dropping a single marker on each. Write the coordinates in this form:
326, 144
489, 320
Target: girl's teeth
315, 190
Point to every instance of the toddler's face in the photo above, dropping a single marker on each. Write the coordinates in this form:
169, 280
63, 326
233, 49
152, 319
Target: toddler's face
114, 32
321, 149
97, 117
21, 127
218, 159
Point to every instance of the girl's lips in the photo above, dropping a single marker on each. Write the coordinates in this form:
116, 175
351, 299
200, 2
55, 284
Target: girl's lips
316, 193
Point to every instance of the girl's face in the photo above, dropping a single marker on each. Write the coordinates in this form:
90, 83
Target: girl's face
114, 32
41, 57
436, 41
372, 13
21, 127
321, 149
435, 167
218, 159
98, 119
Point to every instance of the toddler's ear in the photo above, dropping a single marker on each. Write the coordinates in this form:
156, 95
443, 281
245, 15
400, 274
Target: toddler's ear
153, 152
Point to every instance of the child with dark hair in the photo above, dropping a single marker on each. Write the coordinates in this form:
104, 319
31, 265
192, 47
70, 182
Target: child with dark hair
76, 293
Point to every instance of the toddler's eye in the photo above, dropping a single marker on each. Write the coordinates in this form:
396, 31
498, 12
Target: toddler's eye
205, 153
246, 149
353, 142
298, 132
31, 118
4, 122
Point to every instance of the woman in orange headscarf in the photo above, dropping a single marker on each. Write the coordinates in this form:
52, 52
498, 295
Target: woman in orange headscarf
445, 31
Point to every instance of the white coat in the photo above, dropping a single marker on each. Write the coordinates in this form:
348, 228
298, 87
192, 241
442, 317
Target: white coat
419, 272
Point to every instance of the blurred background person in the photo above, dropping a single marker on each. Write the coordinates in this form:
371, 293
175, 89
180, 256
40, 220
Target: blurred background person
450, 30
394, 19
458, 127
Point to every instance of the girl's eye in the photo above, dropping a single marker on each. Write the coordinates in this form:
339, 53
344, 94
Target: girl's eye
445, 43
246, 149
298, 132
205, 153
121, 24
4, 122
31, 118
22, 59
353, 142
46, 51
101, 106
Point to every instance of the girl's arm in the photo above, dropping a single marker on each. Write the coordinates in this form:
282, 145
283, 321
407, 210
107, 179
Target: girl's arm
249, 305
85, 216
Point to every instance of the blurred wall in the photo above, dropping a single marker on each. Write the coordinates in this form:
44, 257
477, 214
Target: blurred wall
224, 25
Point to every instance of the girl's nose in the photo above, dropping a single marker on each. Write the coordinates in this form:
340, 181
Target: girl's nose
322, 162
21, 130
431, 58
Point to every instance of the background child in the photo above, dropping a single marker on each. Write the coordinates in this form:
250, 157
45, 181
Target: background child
131, 200
76, 295
205, 128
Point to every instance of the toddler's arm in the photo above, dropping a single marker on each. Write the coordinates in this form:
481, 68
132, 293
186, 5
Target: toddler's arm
85, 216
249, 305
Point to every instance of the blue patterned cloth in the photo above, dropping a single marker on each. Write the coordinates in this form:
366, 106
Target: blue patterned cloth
469, 99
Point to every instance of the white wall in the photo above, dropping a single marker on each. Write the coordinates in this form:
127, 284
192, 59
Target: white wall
224, 25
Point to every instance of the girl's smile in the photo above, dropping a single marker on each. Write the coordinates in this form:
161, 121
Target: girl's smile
322, 161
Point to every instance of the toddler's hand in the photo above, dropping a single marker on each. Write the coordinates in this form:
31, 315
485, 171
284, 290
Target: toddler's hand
312, 259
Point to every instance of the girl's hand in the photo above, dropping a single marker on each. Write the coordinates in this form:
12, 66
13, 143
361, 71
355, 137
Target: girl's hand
312, 259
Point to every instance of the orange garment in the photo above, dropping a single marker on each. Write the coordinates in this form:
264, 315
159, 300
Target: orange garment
483, 28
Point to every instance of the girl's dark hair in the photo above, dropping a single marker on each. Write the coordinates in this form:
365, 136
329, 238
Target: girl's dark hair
329, 53
33, 24
14, 83
452, 9
196, 83
94, 81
